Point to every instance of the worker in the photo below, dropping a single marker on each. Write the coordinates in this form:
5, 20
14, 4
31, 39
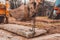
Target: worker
7, 10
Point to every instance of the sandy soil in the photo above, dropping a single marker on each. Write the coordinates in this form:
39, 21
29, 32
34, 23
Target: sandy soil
4, 35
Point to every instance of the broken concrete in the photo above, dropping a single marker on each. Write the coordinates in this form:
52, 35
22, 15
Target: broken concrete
4, 35
23, 30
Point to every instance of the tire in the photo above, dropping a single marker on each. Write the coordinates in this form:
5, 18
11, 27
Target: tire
52, 15
58, 16
1, 19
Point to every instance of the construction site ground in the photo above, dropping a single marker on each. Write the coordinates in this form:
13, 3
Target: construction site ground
52, 26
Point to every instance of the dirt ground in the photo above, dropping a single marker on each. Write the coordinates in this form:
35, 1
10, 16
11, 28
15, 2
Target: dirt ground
52, 27
4, 35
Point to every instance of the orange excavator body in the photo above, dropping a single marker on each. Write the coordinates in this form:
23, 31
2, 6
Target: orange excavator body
4, 11
57, 9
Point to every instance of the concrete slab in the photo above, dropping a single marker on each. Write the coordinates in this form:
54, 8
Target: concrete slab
5, 35
23, 30
48, 37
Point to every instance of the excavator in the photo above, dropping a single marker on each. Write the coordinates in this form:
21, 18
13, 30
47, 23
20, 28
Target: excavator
27, 32
55, 12
4, 12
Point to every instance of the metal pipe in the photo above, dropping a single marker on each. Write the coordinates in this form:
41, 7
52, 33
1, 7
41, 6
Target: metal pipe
34, 20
